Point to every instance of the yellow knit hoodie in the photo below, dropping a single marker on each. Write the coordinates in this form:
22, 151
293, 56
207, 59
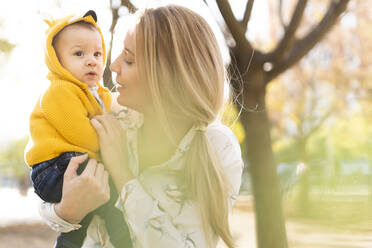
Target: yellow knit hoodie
60, 121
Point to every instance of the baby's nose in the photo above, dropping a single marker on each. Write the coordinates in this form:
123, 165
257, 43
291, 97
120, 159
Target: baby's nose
91, 61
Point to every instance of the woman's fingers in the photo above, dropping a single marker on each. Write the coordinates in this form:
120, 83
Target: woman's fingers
97, 123
100, 177
104, 123
116, 125
90, 169
73, 165
106, 182
99, 172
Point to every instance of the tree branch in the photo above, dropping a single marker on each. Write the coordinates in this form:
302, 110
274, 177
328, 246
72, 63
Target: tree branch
301, 47
236, 29
290, 31
280, 14
127, 3
247, 13
107, 76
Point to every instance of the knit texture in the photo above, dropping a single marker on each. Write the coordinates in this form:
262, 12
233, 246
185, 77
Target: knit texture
60, 121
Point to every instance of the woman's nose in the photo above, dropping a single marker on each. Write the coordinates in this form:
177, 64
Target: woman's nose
113, 66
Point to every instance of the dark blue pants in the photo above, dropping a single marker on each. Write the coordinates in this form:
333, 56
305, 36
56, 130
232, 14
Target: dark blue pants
47, 178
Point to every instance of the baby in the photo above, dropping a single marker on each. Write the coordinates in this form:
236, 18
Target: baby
60, 122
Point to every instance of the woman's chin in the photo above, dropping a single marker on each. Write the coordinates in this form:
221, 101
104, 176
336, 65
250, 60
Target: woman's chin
124, 102
121, 100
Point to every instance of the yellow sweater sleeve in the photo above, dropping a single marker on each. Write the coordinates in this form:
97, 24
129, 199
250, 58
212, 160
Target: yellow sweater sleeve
65, 111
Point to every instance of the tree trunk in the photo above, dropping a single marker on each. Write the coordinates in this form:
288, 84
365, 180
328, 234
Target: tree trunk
304, 185
303, 195
370, 183
270, 227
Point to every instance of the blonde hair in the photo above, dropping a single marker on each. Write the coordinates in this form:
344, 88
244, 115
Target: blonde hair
179, 58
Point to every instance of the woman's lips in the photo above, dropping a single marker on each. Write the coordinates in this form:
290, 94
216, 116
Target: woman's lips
120, 87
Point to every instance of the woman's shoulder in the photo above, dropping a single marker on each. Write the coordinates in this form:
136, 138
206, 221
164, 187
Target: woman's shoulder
227, 149
220, 133
224, 141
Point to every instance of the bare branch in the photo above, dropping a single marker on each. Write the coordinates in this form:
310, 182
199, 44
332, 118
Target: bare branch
301, 47
127, 3
317, 124
115, 17
107, 76
290, 31
236, 29
247, 13
280, 11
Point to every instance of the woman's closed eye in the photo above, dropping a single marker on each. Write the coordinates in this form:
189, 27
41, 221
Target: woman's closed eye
128, 62
127, 58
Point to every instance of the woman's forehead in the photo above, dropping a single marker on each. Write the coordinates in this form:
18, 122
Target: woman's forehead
129, 41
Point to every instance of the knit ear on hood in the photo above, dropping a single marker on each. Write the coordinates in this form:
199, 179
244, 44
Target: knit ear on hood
55, 26
50, 22
89, 13
92, 14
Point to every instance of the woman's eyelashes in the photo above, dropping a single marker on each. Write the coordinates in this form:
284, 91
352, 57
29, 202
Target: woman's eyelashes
128, 59
128, 62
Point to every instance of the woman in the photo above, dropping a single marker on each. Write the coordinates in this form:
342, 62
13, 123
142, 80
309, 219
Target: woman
178, 170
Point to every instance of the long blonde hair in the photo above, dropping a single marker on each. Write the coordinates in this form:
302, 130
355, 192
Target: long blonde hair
179, 58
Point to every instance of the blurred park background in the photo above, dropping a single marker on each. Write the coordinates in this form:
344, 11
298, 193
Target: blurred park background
301, 74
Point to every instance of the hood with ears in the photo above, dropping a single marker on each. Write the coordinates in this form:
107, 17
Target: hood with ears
55, 26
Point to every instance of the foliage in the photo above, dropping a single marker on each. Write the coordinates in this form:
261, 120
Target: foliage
5, 46
12, 159
332, 83
230, 118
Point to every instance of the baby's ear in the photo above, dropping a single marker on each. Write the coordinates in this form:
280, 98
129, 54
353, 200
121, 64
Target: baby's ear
92, 14
50, 22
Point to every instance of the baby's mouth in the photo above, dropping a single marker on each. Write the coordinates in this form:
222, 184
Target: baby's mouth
91, 74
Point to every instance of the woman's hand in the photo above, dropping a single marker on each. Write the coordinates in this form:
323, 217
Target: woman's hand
113, 148
83, 193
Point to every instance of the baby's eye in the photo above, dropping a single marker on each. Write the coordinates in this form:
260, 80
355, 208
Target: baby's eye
97, 54
78, 53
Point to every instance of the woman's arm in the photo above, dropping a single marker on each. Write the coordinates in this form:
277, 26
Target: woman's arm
149, 223
161, 221
112, 142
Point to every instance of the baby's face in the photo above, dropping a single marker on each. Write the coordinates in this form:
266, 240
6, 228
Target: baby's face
79, 50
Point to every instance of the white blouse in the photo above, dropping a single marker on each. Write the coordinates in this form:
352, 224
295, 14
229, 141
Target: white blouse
152, 204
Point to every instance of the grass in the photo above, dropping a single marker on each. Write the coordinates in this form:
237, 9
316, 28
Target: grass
344, 209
